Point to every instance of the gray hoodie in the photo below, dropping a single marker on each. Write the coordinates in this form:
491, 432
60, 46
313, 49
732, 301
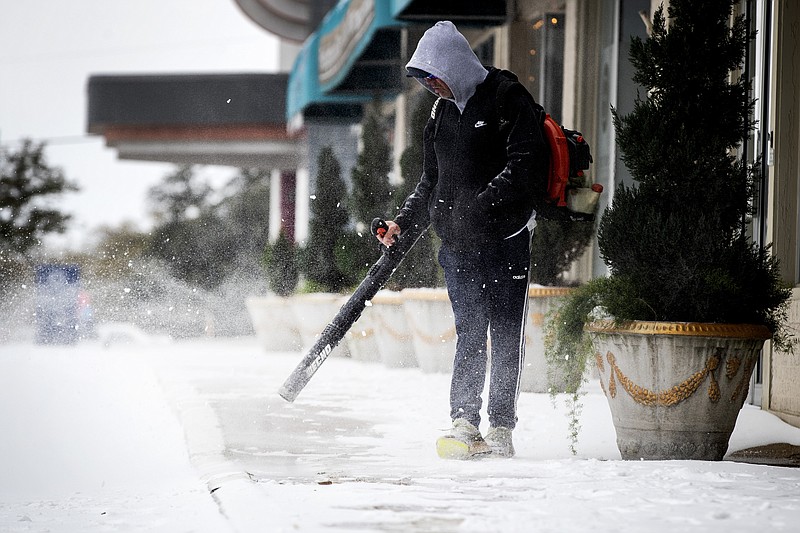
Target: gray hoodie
445, 53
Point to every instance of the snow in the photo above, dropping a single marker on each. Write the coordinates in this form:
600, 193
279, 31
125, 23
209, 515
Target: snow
89, 443
136, 433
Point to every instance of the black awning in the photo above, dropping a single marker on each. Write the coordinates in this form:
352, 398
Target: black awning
186, 99
378, 69
484, 12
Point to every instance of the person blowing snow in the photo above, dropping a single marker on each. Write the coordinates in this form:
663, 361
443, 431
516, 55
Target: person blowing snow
482, 175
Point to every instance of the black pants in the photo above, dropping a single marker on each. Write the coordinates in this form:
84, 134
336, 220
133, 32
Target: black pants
488, 289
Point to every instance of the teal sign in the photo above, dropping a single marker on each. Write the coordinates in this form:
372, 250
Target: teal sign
328, 55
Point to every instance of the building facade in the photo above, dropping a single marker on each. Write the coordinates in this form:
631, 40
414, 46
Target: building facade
573, 56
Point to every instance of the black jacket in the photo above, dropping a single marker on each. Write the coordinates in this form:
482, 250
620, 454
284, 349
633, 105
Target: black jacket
480, 178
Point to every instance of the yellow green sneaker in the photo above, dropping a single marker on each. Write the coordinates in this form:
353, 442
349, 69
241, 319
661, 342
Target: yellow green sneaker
463, 441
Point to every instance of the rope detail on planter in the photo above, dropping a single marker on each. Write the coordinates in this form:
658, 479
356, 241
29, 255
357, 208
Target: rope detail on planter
732, 366
744, 383
384, 325
669, 397
365, 333
447, 335
599, 360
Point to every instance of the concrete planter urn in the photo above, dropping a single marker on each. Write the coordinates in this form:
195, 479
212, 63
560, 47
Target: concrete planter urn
392, 332
430, 320
313, 312
541, 300
274, 323
360, 338
675, 389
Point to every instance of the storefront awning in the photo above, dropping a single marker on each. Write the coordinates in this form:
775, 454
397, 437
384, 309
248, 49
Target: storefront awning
354, 55
483, 12
209, 119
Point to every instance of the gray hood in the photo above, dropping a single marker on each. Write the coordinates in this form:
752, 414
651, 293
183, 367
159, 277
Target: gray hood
445, 53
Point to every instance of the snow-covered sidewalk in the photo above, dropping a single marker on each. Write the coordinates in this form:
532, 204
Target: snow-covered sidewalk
90, 443
192, 436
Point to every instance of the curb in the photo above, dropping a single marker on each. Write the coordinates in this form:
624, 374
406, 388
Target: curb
235, 492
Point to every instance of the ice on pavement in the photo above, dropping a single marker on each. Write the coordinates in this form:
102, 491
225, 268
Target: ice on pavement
148, 435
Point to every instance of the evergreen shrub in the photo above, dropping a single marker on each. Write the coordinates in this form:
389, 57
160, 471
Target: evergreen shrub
280, 261
329, 221
676, 242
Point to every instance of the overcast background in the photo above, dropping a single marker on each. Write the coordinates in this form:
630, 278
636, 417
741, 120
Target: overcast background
49, 49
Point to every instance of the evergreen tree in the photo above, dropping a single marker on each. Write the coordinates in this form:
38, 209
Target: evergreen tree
187, 236
329, 220
420, 267
371, 189
180, 196
204, 242
245, 212
194, 250
280, 260
555, 245
369, 198
412, 158
676, 242
27, 183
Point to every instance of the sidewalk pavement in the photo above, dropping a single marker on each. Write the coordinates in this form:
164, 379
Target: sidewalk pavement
355, 452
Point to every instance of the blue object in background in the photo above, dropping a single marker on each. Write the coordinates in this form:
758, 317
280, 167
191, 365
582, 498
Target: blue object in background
57, 290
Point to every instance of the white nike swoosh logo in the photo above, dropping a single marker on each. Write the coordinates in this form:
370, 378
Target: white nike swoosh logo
479, 124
